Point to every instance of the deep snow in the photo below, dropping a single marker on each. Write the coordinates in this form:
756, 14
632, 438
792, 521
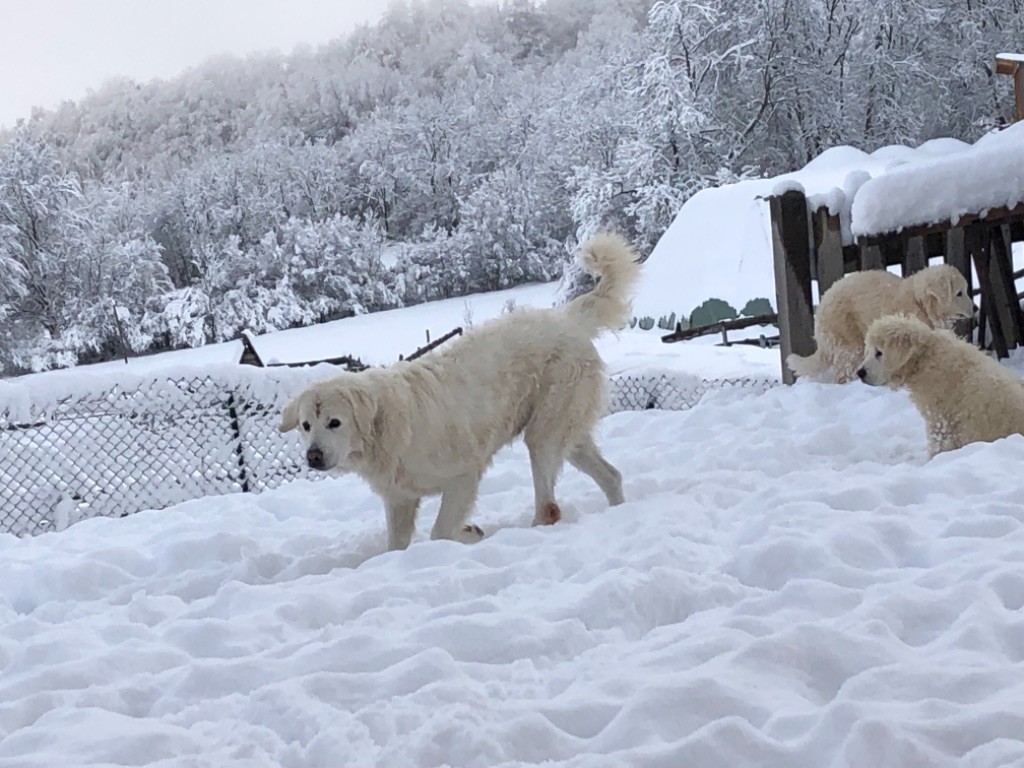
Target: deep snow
789, 584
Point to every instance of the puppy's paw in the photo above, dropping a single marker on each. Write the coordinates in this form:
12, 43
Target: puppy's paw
549, 514
470, 534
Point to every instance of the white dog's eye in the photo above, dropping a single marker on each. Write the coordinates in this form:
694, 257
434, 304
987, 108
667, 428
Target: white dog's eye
305, 425
959, 293
333, 424
878, 354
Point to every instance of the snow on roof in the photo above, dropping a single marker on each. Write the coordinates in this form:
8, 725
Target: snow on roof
977, 179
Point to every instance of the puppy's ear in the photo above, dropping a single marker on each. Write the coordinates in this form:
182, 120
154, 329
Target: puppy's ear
289, 416
900, 345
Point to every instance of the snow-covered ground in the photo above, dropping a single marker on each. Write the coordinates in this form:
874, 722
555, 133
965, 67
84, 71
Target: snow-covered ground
789, 584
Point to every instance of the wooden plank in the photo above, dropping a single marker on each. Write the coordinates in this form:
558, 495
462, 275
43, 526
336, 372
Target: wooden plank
791, 246
828, 241
914, 257
1001, 215
977, 244
957, 255
725, 325
871, 257
893, 251
1006, 289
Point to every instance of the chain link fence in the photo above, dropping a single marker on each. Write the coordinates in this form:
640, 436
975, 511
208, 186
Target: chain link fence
158, 442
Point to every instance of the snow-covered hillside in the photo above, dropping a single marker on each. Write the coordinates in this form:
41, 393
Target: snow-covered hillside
790, 584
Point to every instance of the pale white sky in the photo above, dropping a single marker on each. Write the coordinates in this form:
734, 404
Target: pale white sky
51, 50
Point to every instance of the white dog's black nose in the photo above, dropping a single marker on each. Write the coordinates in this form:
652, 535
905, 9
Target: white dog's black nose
862, 373
315, 458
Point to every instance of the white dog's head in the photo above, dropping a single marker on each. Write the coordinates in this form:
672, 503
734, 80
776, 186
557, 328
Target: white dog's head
943, 294
339, 422
892, 346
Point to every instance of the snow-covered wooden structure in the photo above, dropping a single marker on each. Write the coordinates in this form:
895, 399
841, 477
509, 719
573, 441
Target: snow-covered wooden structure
966, 210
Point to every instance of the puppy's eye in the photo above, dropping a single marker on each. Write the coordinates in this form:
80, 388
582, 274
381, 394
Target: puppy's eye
878, 354
305, 425
333, 424
959, 293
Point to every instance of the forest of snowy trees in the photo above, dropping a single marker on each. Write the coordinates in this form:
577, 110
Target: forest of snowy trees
450, 148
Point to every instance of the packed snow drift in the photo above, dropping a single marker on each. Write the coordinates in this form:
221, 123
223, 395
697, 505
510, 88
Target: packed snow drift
789, 584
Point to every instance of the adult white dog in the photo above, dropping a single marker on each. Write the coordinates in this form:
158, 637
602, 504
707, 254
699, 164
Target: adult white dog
935, 295
432, 425
963, 394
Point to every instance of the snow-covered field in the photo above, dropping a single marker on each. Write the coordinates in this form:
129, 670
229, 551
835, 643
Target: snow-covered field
789, 584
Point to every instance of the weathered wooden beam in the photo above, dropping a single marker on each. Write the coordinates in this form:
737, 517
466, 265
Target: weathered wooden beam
828, 244
1001, 215
791, 246
977, 243
722, 326
914, 257
871, 257
1001, 259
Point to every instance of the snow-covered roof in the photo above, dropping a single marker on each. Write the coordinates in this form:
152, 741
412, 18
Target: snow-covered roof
720, 246
985, 176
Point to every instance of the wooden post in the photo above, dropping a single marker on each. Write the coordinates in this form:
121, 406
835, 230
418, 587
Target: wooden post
871, 257
977, 244
957, 256
791, 245
1013, 64
1001, 259
914, 258
828, 242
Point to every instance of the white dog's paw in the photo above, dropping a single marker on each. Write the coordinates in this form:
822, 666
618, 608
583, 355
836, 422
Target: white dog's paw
470, 534
549, 514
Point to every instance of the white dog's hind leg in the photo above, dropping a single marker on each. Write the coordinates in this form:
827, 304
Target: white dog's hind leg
545, 464
456, 503
401, 515
588, 459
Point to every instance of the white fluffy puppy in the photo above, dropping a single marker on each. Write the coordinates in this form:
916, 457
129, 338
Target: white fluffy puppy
963, 394
936, 295
432, 425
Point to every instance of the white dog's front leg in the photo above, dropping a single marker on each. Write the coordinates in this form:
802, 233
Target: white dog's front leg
456, 503
401, 514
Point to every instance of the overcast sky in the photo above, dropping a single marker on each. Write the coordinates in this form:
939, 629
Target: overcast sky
51, 50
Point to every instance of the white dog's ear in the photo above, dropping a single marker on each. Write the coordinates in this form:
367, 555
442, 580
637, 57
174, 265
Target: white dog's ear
289, 416
928, 295
364, 410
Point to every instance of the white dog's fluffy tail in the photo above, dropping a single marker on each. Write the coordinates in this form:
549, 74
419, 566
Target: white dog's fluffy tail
609, 305
810, 366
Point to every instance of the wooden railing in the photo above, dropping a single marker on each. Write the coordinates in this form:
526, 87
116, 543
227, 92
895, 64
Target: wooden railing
808, 246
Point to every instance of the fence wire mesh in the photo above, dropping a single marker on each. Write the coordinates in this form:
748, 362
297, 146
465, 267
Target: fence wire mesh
165, 441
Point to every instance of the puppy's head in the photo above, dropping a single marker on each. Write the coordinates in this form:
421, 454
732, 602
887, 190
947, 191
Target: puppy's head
891, 347
335, 421
943, 294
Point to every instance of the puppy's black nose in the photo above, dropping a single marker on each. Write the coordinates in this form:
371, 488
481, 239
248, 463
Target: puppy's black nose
862, 373
315, 458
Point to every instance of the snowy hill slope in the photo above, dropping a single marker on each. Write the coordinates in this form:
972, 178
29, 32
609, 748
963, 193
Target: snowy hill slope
789, 585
